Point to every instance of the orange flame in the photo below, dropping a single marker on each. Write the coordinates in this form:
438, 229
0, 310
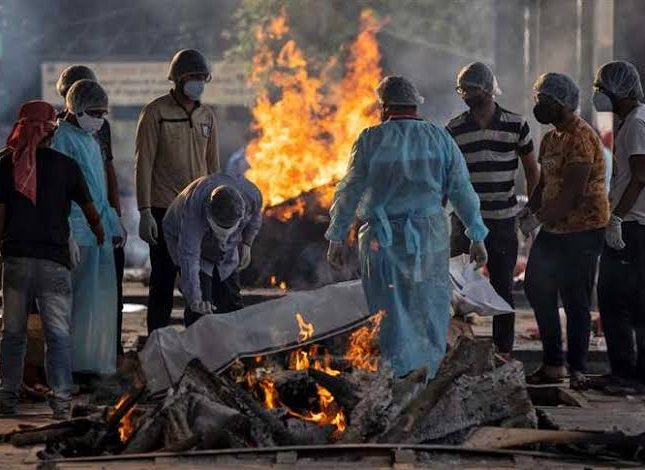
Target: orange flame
304, 141
362, 353
126, 424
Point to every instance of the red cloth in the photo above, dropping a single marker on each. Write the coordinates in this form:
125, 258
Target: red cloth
36, 120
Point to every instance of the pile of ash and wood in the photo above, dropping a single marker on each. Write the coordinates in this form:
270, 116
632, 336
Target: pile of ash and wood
330, 392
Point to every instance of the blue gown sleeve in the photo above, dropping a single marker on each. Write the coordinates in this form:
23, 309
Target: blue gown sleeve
461, 194
348, 193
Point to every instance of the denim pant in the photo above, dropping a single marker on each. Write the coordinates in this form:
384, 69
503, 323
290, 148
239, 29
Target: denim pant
502, 245
621, 300
49, 283
563, 264
162, 279
225, 295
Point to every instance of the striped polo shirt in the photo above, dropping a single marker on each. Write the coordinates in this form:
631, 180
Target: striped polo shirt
492, 158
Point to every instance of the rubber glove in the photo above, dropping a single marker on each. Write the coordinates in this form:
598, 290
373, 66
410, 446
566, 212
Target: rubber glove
614, 233
148, 230
528, 221
335, 255
203, 307
245, 256
74, 252
119, 242
478, 254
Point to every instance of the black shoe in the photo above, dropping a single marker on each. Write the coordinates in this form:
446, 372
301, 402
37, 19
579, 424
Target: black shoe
8, 404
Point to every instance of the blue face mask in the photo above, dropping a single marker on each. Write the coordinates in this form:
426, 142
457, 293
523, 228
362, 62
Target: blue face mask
194, 89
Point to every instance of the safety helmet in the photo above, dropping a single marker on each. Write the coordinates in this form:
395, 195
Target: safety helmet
188, 62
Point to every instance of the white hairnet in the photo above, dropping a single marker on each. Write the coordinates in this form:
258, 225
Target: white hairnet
71, 75
479, 75
621, 79
398, 91
84, 95
559, 87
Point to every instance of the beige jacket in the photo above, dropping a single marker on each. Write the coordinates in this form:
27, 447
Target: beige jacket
173, 148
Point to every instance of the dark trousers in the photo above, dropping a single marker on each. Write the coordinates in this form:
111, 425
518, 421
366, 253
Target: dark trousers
563, 264
502, 245
225, 295
621, 300
119, 264
162, 279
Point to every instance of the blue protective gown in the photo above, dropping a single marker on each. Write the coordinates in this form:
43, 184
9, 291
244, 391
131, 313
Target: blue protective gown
94, 308
399, 174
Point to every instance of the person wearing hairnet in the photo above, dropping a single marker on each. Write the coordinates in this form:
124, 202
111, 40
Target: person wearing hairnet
571, 203
176, 143
621, 292
493, 141
37, 187
209, 229
399, 173
67, 78
94, 309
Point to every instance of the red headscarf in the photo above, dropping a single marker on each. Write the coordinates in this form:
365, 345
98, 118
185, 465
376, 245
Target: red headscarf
36, 121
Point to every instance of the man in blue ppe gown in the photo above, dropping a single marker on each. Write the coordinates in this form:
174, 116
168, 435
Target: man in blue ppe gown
399, 175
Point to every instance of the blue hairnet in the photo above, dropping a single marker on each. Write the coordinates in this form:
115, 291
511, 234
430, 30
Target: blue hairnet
621, 79
397, 90
559, 87
226, 206
84, 95
480, 75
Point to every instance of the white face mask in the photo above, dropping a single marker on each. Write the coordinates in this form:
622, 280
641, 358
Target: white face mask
88, 123
194, 89
602, 102
222, 234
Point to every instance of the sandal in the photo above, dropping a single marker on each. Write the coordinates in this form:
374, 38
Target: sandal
578, 381
542, 376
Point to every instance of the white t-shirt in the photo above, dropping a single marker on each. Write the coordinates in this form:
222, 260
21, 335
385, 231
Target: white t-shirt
630, 140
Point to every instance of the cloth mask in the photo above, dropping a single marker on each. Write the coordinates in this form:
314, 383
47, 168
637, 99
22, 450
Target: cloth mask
474, 101
194, 89
222, 234
602, 102
90, 124
547, 114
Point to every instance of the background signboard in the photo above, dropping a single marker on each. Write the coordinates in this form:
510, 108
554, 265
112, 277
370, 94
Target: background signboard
137, 83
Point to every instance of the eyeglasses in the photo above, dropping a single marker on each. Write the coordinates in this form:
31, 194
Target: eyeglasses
465, 89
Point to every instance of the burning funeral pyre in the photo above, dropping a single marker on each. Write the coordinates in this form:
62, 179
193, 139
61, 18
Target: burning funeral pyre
326, 392
306, 117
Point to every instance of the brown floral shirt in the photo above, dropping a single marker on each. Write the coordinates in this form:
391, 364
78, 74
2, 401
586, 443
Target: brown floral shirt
578, 143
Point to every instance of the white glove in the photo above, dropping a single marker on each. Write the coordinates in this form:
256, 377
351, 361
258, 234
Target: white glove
119, 242
74, 252
245, 256
478, 254
528, 221
148, 227
203, 307
335, 255
614, 233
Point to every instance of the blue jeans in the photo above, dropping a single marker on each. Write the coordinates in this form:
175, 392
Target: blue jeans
49, 283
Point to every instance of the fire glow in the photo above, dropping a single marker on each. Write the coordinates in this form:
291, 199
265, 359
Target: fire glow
305, 135
126, 425
361, 354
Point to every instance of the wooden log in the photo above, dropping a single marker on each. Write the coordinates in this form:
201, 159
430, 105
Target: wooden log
267, 428
469, 401
505, 438
340, 388
296, 388
50, 432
